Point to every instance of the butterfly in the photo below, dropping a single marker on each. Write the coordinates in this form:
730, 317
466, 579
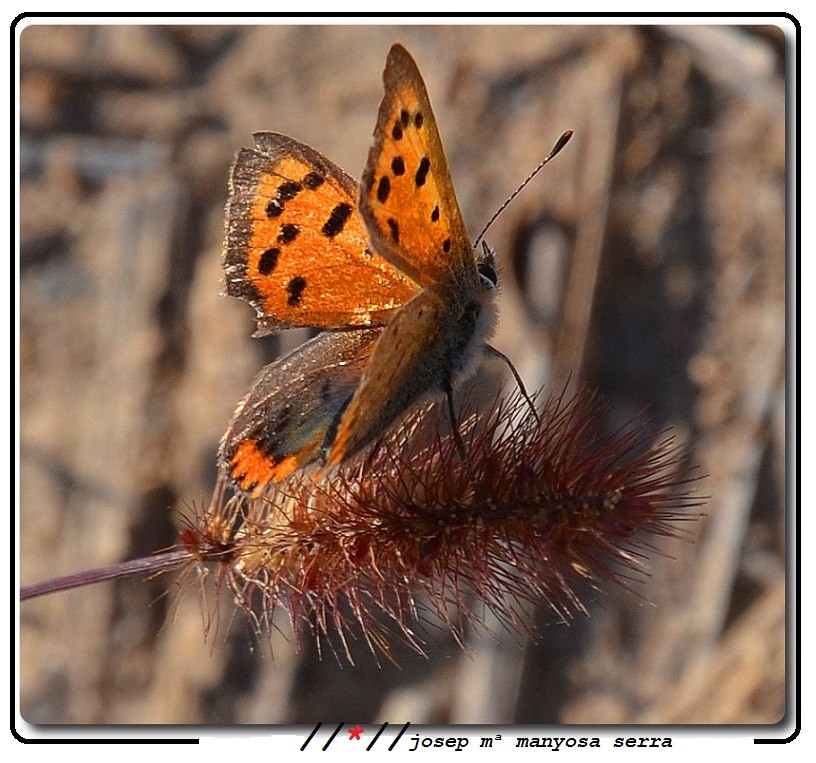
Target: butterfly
386, 269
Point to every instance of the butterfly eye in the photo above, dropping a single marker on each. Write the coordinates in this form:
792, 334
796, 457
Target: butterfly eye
488, 275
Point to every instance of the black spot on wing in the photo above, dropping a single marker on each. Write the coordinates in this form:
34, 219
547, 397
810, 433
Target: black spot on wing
313, 181
422, 171
288, 233
337, 220
274, 209
288, 190
383, 189
295, 288
268, 261
394, 227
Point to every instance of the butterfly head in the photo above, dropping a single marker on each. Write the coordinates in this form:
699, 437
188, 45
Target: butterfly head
486, 267
483, 310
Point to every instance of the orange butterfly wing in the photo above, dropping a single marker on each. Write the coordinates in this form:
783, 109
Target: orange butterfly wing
406, 194
297, 248
414, 356
293, 409
413, 218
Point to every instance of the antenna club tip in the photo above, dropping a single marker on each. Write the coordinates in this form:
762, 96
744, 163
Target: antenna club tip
562, 141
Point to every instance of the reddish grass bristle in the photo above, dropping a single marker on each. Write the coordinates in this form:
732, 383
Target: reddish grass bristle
537, 504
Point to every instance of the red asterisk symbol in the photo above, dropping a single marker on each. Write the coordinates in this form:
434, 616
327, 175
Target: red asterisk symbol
355, 732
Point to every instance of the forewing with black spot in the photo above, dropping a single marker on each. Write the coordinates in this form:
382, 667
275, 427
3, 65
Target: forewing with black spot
406, 194
297, 248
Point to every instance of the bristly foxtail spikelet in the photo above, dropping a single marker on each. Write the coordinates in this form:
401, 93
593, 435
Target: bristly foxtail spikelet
538, 503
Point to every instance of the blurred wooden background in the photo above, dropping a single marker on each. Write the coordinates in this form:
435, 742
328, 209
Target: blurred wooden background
648, 260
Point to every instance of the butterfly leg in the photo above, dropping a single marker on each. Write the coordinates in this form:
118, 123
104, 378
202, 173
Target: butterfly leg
490, 350
457, 438
374, 451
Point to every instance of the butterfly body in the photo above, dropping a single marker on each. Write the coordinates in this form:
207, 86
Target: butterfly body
434, 342
388, 266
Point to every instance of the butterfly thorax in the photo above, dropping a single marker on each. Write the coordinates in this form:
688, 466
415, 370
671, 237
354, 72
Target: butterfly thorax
433, 342
474, 325
476, 321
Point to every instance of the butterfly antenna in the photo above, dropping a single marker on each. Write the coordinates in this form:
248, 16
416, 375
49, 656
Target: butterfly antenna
560, 143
